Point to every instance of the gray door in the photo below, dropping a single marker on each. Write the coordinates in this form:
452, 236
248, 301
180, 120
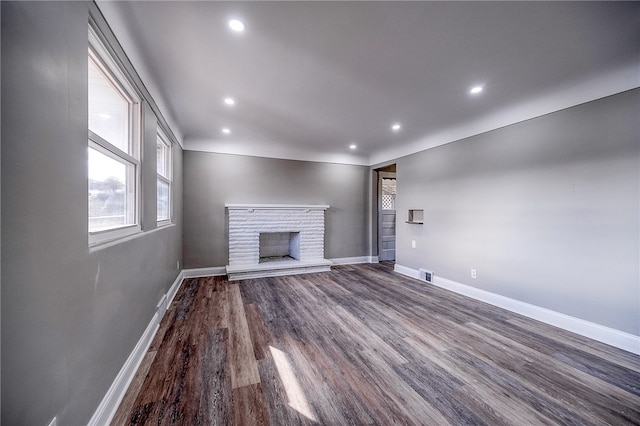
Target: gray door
386, 216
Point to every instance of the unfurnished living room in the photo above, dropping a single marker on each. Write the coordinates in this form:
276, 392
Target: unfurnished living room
299, 212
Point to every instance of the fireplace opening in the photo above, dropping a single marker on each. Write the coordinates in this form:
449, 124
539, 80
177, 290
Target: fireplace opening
277, 246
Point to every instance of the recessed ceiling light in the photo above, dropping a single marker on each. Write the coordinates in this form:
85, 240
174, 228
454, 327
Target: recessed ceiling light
226, 130
396, 127
229, 101
353, 146
237, 25
476, 89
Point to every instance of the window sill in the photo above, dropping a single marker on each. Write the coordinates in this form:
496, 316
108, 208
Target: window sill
107, 236
121, 240
163, 223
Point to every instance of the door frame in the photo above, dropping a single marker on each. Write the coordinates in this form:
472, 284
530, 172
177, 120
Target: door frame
381, 175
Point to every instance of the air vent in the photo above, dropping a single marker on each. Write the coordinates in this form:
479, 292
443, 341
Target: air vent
426, 275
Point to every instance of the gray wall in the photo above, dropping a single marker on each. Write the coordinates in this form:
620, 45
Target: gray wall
70, 317
211, 180
546, 211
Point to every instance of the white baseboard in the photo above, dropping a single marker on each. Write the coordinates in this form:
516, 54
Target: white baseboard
204, 272
174, 288
354, 260
109, 404
413, 273
601, 333
107, 408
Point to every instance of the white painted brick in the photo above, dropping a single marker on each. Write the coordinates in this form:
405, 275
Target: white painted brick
245, 227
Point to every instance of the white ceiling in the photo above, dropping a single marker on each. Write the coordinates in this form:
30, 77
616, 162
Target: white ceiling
310, 78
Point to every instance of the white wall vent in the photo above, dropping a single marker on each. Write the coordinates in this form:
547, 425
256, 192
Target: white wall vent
426, 275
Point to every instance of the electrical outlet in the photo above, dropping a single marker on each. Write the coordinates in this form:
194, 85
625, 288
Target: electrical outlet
473, 273
413, 243
178, 265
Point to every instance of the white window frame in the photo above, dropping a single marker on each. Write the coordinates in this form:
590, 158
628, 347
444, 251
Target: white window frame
162, 138
109, 66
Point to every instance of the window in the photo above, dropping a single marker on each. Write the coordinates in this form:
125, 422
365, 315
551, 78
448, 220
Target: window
113, 145
164, 179
388, 193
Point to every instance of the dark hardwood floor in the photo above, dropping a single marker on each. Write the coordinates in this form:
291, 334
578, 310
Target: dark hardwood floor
364, 345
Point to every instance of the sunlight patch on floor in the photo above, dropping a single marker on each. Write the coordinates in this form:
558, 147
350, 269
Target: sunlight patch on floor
295, 395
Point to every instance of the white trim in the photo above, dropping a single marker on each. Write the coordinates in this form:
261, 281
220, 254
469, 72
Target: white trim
100, 238
112, 399
215, 271
413, 273
108, 61
601, 333
167, 177
171, 293
125, 53
114, 72
232, 206
164, 222
110, 150
123, 239
354, 260
107, 408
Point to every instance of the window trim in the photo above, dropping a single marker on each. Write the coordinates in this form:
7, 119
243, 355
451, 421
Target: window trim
168, 179
107, 63
112, 150
126, 160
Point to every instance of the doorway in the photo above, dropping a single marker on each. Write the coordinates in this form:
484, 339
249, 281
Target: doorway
387, 214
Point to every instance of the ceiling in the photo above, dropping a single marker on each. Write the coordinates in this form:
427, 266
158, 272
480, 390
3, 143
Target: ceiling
311, 78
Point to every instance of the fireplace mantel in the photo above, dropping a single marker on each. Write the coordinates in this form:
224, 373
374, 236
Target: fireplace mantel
232, 206
248, 221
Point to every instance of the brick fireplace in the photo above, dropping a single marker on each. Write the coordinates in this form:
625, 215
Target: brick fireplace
275, 239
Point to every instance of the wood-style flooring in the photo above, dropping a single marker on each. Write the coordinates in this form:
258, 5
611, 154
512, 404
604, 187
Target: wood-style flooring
364, 345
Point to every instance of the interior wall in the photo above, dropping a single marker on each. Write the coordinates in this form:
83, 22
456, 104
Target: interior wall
211, 180
546, 211
70, 315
